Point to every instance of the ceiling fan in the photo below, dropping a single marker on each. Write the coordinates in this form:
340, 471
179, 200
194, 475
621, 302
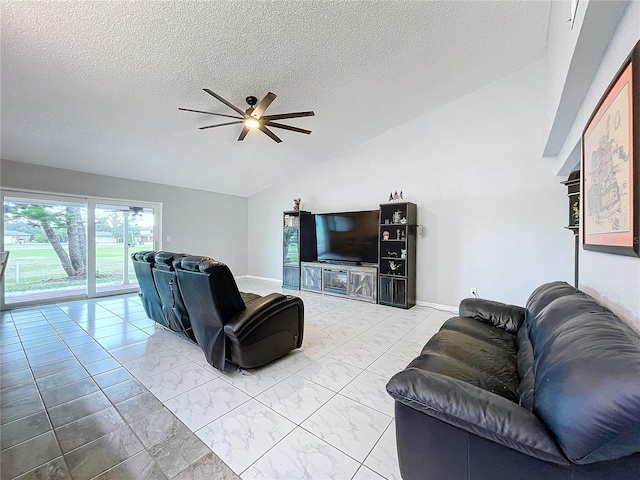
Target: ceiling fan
253, 117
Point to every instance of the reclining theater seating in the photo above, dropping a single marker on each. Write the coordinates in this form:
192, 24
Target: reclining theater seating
198, 298
548, 392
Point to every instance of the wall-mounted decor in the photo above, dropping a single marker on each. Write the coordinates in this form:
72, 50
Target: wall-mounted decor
610, 166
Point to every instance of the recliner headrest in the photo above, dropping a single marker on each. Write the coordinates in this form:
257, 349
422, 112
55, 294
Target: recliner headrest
144, 256
166, 260
196, 263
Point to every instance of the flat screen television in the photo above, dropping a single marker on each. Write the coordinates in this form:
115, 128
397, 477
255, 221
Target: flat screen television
347, 237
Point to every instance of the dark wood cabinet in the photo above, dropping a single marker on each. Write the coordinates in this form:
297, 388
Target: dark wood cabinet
299, 245
397, 254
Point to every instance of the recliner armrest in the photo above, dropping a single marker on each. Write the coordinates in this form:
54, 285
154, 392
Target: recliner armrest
258, 311
476, 411
507, 317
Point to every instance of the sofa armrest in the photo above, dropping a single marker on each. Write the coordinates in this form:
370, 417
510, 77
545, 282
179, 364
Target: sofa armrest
258, 311
507, 317
476, 411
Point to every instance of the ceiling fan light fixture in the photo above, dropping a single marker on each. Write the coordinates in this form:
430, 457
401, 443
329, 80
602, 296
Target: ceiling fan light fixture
251, 123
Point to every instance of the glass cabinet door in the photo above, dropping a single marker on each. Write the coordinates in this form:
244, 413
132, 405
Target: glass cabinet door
291, 245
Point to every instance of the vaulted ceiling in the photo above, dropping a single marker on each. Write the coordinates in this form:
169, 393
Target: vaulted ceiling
96, 86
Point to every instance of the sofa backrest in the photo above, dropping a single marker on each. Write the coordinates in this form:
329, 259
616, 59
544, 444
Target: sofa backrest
586, 368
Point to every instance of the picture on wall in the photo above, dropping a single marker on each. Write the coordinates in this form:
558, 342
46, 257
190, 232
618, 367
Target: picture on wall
610, 166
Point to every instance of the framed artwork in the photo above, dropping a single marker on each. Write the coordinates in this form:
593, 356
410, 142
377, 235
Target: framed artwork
610, 166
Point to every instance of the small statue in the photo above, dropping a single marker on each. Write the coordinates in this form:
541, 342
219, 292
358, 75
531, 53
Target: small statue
403, 253
390, 196
401, 197
402, 235
296, 204
395, 195
392, 254
393, 265
398, 234
385, 235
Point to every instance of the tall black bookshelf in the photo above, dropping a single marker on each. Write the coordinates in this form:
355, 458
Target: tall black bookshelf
397, 254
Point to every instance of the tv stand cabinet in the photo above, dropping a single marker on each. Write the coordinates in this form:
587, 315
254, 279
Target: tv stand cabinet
356, 282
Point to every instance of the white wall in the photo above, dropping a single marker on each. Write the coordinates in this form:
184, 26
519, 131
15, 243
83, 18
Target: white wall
613, 280
493, 212
198, 222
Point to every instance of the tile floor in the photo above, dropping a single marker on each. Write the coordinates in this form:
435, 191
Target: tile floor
93, 389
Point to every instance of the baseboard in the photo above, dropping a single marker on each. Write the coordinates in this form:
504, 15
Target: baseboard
255, 277
438, 306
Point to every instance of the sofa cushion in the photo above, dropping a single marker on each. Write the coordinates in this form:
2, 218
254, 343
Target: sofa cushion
587, 374
472, 360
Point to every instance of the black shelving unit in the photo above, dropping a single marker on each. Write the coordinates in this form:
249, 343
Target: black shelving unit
397, 254
299, 245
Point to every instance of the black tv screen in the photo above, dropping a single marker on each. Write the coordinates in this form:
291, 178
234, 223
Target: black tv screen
349, 237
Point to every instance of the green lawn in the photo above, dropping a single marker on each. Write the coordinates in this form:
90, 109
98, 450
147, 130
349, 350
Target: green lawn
35, 267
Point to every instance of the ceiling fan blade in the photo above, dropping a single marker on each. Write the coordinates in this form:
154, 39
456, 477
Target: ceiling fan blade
269, 133
243, 133
209, 113
282, 116
228, 104
263, 105
288, 127
221, 124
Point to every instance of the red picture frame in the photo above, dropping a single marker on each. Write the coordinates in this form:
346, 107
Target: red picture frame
610, 167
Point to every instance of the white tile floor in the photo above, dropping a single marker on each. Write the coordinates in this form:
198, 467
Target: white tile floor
320, 412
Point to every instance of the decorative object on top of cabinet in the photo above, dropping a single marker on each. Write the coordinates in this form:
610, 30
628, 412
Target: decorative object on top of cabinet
611, 166
397, 262
299, 245
296, 204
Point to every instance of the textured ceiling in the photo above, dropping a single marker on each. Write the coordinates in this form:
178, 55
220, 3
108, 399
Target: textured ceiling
95, 86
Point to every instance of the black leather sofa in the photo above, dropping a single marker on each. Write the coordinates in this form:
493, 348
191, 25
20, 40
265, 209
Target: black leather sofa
197, 297
546, 392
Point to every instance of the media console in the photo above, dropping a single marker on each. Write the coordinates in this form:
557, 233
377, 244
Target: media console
352, 281
391, 277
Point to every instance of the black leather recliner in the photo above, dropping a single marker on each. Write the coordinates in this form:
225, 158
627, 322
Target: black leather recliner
173, 309
250, 331
143, 263
501, 392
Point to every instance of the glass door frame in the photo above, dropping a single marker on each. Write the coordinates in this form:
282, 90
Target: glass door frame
91, 202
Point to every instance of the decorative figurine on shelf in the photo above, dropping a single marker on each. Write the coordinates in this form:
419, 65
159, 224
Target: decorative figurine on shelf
403, 253
402, 235
396, 216
393, 266
403, 220
395, 196
385, 235
296, 204
390, 196
398, 234
391, 254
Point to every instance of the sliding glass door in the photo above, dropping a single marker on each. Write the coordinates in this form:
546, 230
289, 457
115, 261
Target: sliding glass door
72, 247
47, 238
